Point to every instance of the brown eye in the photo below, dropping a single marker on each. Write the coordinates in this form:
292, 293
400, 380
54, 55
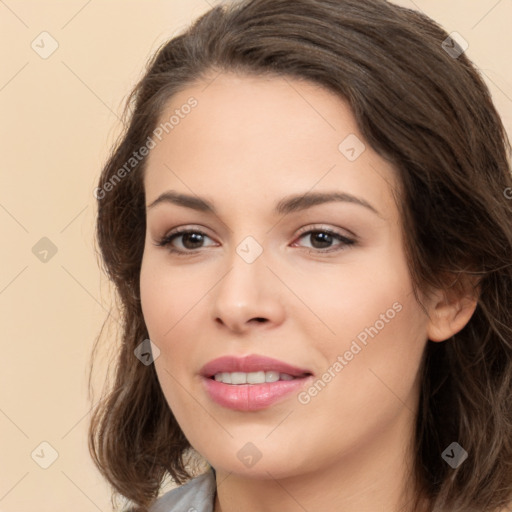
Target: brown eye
191, 241
323, 239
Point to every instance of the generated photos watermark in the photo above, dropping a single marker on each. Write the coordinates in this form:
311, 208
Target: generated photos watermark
150, 143
304, 397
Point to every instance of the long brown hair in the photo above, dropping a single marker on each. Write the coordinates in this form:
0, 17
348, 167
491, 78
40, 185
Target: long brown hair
428, 112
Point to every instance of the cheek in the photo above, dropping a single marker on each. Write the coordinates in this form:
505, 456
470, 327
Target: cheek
381, 343
364, 289
172, 303
167, 296
153, 301
379, 331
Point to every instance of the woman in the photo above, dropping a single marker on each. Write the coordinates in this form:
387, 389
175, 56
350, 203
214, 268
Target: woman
370, 369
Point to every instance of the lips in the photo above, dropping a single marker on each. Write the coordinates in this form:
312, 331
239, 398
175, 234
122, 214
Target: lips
251, 363
252, 397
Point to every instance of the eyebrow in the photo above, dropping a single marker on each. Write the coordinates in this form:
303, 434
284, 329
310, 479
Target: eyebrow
288, 204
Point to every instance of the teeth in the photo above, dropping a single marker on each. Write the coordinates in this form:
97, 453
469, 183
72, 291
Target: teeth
251, 377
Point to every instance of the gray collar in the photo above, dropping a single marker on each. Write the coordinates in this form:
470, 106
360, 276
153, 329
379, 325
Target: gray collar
196, 495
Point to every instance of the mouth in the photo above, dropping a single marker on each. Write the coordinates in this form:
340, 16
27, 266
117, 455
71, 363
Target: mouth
259, 377
243, 396
251, 369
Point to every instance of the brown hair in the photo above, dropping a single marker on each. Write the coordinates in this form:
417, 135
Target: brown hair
429, 113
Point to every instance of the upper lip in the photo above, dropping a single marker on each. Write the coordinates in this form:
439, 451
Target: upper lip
251, 363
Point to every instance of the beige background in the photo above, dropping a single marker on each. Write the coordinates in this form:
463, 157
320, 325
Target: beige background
59, 116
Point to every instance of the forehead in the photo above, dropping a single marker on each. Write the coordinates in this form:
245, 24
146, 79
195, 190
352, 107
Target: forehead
247, 138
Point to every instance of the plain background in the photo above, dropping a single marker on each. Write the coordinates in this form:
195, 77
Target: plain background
59, 118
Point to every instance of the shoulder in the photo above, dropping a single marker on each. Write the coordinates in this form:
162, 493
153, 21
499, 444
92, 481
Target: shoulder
196, 495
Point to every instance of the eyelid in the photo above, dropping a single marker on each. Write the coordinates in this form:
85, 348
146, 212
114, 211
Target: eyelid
305, 229
322, 227
345, 242
182, 230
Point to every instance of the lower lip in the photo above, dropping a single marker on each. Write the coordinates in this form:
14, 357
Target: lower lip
252, 397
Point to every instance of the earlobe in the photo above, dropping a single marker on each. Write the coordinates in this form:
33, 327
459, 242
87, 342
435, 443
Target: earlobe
450, 313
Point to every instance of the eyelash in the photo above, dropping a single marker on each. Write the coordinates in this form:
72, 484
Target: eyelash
166, 240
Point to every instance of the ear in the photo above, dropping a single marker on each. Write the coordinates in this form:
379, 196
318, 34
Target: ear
451, 308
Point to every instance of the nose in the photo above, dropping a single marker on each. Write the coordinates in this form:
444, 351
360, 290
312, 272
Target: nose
249, 294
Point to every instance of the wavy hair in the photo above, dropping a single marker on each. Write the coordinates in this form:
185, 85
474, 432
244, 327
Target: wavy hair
422, 107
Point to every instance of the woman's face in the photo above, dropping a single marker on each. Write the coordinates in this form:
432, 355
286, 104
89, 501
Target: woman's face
336, 303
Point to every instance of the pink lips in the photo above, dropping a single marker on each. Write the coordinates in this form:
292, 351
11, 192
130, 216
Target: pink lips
251, 397
252, 363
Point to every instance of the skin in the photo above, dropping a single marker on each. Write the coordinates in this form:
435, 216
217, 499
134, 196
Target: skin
250, 142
